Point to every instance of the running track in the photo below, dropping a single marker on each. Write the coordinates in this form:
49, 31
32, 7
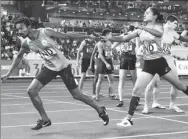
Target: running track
72, 119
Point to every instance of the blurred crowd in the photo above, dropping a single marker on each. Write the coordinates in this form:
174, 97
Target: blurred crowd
9, 41
10, 44
115, 5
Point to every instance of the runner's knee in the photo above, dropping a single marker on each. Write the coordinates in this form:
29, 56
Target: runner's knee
75, 93
137, 91
31, 91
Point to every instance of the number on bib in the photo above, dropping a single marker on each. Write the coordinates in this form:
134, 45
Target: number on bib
48, 53
89, 50
108, 53
150, 47
166, 47
130, 47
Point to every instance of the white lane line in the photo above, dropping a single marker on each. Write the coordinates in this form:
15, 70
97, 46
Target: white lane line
148, 135
60, 91
128, 99
76, 122
33, 112
63, 123
62, 85
25, 104
50, 100
41, 97
157, 117
48, 103
54, 101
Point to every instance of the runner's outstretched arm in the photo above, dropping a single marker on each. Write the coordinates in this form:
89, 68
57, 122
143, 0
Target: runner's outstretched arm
52, 33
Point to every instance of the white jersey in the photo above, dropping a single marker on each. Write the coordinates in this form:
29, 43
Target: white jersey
169, 36
140, 51
151, 44
48, 50
140, 54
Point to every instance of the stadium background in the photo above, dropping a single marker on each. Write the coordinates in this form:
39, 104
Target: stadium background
80, 16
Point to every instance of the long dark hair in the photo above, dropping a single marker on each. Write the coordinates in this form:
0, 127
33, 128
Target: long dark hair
160, 18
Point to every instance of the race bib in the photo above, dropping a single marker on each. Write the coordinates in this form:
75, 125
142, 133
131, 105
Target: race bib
89, 50
130, 46
166, 48
108, 53
150, 47
127, 47
48, 53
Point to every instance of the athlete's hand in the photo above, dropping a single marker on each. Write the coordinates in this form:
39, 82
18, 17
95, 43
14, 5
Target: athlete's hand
4, 77
90, 67
108, 66
184, 33
91, 36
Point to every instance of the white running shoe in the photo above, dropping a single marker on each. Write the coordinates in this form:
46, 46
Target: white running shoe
176, 109
125, 123
157, 105
95, 97
145, 110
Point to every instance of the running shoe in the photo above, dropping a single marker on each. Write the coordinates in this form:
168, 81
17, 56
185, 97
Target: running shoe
176, 109
120, 104
145, 110
41, 124
104, 116
125, 123
157, 105
113, 97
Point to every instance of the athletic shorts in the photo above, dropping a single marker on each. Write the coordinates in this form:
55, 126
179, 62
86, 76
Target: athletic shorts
85, 65
46, 75
127, 62
159, 66
102, 67
172, 63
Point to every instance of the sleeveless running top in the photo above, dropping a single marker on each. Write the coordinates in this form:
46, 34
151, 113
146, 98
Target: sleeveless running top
169, 36
128, 47
140, 51
107, 49
88, 49
48, 50
151, 44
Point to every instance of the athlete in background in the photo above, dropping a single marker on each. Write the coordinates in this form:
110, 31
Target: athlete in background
105, 65
127, 63
86, 47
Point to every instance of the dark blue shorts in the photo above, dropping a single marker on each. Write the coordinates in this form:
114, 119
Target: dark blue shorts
85, 65
159, 66
46, 75
102, 67
128, 62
